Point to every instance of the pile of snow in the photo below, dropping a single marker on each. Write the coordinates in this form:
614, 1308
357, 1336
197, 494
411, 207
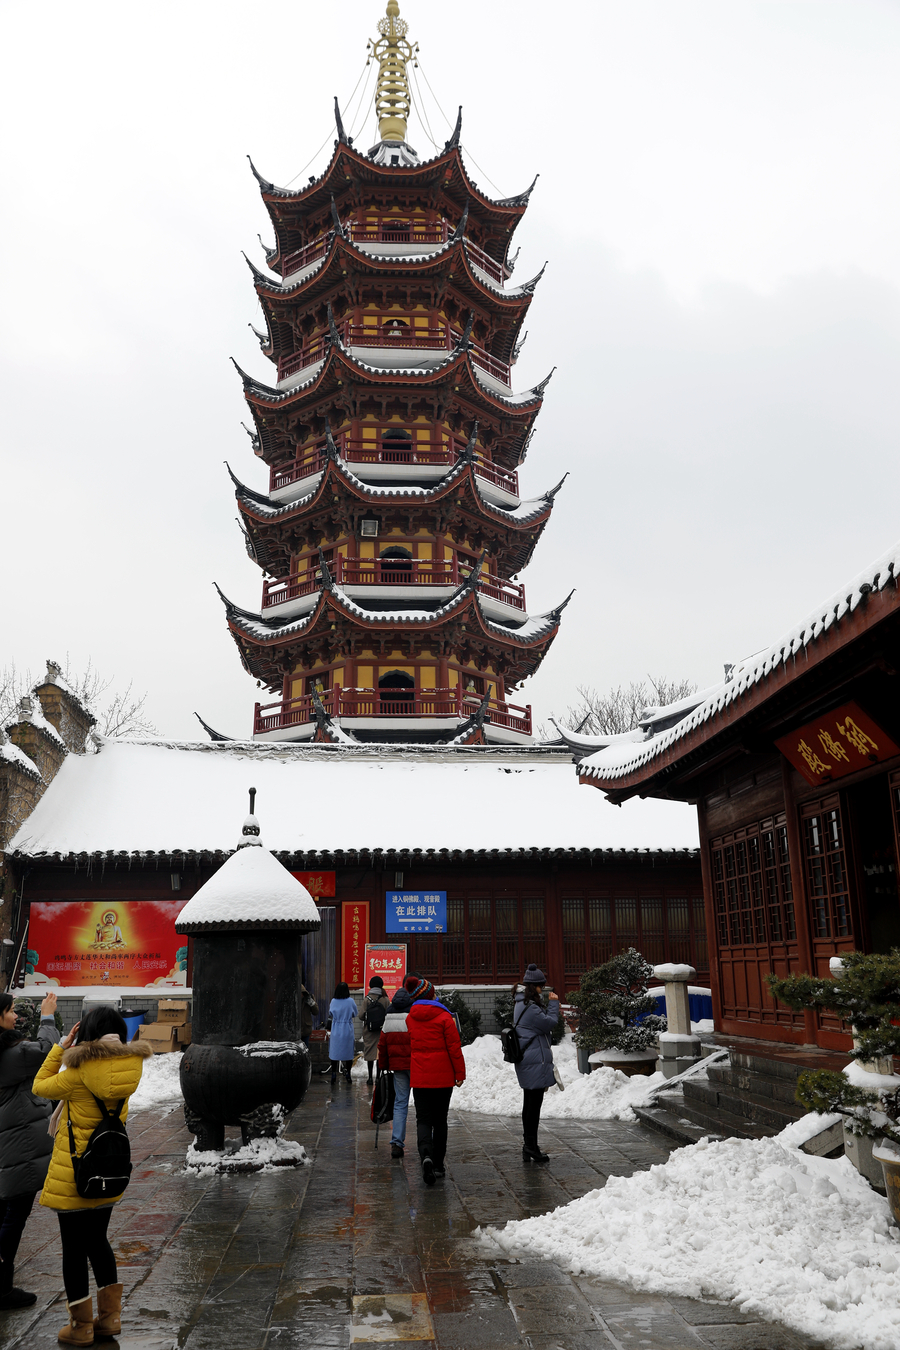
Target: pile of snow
794, 1239
491, 1086
260, 1155
160, 1085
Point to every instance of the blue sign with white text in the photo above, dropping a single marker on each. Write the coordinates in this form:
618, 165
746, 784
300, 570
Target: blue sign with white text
415, 912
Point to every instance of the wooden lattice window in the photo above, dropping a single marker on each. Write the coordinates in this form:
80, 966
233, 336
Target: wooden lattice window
751, 873
594, 928
826, 869
489, 938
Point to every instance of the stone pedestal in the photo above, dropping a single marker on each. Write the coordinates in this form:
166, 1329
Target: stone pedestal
679, 1048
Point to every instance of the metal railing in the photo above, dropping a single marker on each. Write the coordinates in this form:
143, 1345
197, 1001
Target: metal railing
387, 231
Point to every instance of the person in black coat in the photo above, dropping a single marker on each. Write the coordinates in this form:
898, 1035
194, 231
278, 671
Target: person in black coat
534, 1071
25, 1143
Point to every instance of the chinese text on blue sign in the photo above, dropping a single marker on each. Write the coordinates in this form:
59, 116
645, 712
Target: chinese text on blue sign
416, 912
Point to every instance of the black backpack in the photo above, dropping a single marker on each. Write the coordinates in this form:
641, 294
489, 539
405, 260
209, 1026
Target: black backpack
375, 1014
513, 1049
104, 1168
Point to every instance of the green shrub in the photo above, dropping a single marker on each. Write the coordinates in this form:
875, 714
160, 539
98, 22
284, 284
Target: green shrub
469, 1019
503, 1011
865, 996
610, 999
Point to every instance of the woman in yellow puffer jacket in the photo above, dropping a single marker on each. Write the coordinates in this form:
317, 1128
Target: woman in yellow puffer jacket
100, 1064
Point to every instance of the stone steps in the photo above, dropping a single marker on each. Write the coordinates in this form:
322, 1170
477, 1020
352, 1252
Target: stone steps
748, 1097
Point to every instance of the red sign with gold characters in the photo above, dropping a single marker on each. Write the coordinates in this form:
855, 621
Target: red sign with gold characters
129, 943
837, 743
387, 959
317, 883
354, 936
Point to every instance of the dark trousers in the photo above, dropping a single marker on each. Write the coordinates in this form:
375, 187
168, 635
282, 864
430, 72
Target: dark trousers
532, 1101
432, 1105
83, 1236
14, 1211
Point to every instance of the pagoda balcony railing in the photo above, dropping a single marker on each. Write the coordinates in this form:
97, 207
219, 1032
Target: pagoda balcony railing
385, 334
391, 572
391, 232
386, 451
394, 703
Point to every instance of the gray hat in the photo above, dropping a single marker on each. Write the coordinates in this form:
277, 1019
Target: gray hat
534, 976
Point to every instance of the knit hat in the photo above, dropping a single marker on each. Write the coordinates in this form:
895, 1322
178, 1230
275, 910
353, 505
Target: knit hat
420, 988
410, 983
534, 976
376, 982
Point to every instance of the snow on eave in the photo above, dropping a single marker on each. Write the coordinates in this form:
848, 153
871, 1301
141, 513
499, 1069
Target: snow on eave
608, 766
10, 753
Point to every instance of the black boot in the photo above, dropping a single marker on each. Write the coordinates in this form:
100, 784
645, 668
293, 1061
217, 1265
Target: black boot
428, 1171
10, 1297
370, 1074
333, 1077
531, 1152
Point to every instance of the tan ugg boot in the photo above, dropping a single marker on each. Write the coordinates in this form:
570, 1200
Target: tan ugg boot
79, 1330
108, 1321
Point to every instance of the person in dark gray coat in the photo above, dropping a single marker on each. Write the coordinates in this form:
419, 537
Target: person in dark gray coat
25, 1142
535, 1070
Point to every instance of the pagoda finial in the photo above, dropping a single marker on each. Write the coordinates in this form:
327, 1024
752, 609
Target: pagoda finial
392, 51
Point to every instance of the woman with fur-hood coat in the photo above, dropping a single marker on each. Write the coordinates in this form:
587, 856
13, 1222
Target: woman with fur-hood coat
100, 1064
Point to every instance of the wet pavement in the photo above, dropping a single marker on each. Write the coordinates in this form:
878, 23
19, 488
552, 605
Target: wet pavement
355, 1250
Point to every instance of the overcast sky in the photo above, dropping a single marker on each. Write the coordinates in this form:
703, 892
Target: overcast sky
718, 202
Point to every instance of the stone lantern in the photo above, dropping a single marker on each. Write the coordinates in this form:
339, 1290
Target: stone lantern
246, 1064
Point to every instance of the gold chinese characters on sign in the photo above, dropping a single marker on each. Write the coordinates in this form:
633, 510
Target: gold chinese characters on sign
837, 743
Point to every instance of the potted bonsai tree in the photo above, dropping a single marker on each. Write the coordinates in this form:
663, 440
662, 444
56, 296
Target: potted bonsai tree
617, 1020
864, 992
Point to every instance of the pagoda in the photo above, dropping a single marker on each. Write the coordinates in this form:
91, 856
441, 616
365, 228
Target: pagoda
393, 532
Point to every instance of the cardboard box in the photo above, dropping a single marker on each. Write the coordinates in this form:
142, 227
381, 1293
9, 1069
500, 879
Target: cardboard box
160, 1035
183, 1036
176, 1010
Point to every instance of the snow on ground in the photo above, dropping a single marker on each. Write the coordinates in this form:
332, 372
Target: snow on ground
160, 1085
491, 1086
794, 1239
260, 1155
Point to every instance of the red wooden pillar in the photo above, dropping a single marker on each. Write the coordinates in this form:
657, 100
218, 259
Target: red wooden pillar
709, 909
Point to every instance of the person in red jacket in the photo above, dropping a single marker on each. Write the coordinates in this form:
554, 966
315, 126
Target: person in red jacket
436, 1066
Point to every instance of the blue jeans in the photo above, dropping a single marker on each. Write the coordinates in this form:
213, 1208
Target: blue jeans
401, 1106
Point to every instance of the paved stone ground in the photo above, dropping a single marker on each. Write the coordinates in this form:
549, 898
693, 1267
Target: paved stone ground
355, 1249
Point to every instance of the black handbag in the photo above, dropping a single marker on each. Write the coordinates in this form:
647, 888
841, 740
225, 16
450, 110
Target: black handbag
382, 1100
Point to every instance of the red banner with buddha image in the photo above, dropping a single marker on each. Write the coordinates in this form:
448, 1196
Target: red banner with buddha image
131, 943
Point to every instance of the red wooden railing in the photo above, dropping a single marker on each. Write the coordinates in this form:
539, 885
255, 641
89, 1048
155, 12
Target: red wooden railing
391, 232
388, 703
398, 232
442, 338
391, 572
386, 451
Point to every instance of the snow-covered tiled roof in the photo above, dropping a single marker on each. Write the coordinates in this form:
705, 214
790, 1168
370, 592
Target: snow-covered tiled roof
156, 797
624, 755
11, 754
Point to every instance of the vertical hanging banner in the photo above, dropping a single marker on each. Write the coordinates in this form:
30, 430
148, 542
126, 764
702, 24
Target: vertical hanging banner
354, 936
387, 959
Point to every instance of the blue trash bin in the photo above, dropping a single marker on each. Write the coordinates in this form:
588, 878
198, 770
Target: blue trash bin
132, 1023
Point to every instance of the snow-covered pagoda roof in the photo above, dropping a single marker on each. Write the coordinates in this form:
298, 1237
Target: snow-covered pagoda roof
159, 798
624, 764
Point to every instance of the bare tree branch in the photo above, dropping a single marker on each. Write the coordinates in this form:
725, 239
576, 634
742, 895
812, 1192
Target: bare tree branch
118, 713
622, 708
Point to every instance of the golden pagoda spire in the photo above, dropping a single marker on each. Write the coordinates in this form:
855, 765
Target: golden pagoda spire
392, 51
